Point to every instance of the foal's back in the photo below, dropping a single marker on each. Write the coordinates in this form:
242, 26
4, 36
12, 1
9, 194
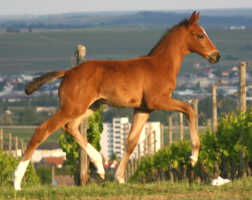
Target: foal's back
117, 82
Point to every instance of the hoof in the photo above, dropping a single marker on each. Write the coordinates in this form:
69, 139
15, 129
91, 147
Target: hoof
120, 180
17, 188
193, 160
16, 184
101, 171
102, 175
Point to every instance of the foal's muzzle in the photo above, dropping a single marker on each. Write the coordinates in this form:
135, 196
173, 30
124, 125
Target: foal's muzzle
214, 57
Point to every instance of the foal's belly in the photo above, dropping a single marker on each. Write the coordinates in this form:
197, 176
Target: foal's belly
123, 101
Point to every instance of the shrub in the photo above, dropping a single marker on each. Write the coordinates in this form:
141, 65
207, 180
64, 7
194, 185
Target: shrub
8, 164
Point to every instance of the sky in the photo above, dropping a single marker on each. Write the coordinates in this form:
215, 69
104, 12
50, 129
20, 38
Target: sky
38, 7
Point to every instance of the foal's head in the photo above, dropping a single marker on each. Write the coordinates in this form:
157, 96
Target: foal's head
199, 42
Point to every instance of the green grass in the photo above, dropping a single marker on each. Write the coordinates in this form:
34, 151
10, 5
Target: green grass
237, 190
26, 134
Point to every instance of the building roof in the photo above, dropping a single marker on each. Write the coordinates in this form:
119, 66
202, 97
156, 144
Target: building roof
54, 160
49, 145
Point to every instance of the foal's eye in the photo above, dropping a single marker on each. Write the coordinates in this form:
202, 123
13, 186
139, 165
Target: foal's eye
200, 36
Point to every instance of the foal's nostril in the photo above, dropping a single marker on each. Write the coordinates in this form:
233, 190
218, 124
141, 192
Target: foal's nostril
218, 57
214, 57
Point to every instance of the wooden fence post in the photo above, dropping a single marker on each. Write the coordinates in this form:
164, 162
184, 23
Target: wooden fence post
16, 145
10, 143
138, 152
145, 146
154, 140
195, 108
243, 108
1, 139
181, 126
214, 124
148, 138
170, 130
243, 105
84, 161
80, 54
22, 146
214, 101
53, 174
162, 136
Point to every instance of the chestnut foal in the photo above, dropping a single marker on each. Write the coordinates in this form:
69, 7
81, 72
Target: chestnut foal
144, 83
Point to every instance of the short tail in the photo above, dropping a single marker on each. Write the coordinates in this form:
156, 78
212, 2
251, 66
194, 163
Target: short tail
36, 83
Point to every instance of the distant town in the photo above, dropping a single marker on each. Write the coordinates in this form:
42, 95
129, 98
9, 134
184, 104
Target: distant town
189, 85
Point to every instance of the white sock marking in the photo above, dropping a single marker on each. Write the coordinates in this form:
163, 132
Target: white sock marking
19, 173
194, 158
95, 158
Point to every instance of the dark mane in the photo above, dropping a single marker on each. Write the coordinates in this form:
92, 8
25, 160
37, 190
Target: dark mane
184, 22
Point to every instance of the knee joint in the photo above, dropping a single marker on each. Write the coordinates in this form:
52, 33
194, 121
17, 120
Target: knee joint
196, 144
71, 130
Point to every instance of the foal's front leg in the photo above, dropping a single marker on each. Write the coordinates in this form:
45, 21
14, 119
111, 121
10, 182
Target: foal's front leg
167, 103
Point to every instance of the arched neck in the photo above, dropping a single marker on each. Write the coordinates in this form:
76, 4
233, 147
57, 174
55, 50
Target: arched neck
171, 49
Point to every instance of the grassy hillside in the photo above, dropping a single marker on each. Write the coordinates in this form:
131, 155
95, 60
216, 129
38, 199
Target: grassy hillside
210, 17
26, 134
50, 50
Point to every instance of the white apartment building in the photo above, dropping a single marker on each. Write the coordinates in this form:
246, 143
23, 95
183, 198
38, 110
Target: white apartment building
150, 139
114, 136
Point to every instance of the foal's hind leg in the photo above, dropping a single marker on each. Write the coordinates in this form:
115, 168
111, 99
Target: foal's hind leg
140, 118
73, 128
40, 135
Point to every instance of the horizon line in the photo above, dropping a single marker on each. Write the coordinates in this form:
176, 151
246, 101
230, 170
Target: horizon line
118, 11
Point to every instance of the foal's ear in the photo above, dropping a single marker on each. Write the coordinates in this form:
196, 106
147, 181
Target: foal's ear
194, 19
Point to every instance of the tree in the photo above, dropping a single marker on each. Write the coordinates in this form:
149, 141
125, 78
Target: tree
95, 128
113, 157
66, 142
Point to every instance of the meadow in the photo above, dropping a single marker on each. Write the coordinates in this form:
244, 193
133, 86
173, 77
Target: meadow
237, 190
45, 50
26, 133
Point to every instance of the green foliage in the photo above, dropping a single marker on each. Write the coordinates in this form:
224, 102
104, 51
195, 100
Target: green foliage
234, 134
113, 156
71, 148
44, 174
152, 167
94, 129
8, 164
208, 151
